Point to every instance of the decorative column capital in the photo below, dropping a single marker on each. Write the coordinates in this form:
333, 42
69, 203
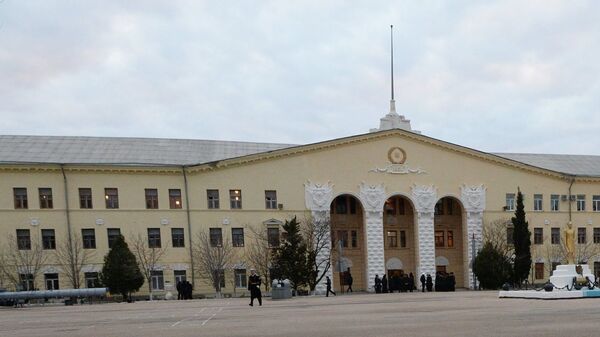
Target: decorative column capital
372, 197
424, 197
473, 198
317, 196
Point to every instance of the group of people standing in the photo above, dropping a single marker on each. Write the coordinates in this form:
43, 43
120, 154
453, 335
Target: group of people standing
402, 283
184, 290
443, 282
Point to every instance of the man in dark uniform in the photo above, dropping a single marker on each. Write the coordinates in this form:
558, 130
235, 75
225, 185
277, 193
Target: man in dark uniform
254, 287
179, 290
328, 282
377, 284
429, 282
422, 279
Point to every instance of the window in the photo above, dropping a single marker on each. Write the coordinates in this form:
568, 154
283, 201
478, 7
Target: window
510, 202
180, 276
20, 194
85, 198
597, 269
51, 281
439, 239
240, 278
88, 236
539, 270
341, 205
510, 231
581, 202
158, 281
91, 280
175, 198
450, 237
596, 235
342, 236
216, 237
151, 198
449, 206
403, 239
113, 234
390, 206
538, 201
554, 202
555, 235
48, 239
581, 236
26, 282
213, 199
237, 237
538, 236
154, 237
273, 236
392, 239
111, 195
177, 237
45, 197
354, 239
596, 203
235, 199
23, 239
271, 199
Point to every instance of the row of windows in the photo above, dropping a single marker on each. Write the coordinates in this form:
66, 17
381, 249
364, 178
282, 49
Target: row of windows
111, 196
538, 202
555, 236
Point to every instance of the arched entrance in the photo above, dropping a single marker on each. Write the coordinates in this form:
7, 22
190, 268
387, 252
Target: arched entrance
399, 238
449, 242
347, 237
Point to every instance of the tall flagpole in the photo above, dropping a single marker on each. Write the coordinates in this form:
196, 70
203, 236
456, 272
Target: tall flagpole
392, 102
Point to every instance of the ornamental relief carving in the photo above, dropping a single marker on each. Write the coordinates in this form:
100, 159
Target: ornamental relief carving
424, 197
473, 197
318, 196
373, 197
397, 157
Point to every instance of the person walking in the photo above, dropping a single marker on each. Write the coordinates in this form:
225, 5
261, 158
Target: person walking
254, 287
429, 283
328, 282
384, 284
349, 281
422, 279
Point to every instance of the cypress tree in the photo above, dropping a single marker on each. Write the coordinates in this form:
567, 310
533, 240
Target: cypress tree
491, 267
290, 259
121, 273
522, 243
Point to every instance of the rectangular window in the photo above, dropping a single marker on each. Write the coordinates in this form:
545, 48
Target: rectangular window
51, 281
113, 234
538, 236
555, 235
343, 238
237, 237
538, 202
402, 239
111, 195
341, 205
20, 195
449, 206
439, 239
581, 236
180, 276
23, 239
158, 281
510, 202
212, 197
450, 239
596, 203
91, 280
45, 197
596, 234
554, 202
151, 198
539, 270
175, 198
271, 199
581, 202
85, 198
510, 231
354, 239
273, 237
216, 237
392, 239
177, 237
235, 199
240, 278
88, 236
48, 239
26, 282
154, 237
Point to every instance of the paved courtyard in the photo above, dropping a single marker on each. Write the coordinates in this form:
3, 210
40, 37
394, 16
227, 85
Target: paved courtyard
413, 314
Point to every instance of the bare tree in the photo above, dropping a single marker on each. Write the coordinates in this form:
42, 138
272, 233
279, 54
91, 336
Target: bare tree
259, 254
317, 233
72, 256
212, 258
147, 256
496, 233
26, 260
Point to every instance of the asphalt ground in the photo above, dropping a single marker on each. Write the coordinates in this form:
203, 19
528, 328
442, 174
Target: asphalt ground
464, 313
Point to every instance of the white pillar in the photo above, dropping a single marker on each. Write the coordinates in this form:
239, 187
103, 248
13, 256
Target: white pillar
473, 199
373, 198
424, 198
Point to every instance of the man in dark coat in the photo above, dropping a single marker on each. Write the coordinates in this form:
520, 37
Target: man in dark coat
328, 282
411, 282
377, 284
429, 283
349, 281
384, 284
422, 279
179, 293
254, 287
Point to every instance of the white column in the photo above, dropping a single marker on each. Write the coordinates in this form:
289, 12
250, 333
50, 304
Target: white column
373, 198
324, 254
424, 198
473, 199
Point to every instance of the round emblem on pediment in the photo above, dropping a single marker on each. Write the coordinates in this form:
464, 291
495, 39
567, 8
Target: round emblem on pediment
397, 155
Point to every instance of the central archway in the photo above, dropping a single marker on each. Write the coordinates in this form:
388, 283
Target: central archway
448, 238
399, 239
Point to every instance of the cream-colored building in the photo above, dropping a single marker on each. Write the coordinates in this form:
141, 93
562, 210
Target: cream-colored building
398, 200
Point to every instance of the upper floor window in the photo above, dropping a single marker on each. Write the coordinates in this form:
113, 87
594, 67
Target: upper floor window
581, 235
555, 235
48, 239
439, 239
151, 198
216, 237
596, 203
88, 235
510, 232
581, 202
450, 239
212, 197
403, 239
554, 202
174, 198
237, 237
354, 239
177, 237
85, 198
154, 237
538, 202
235, 199
392, 239
271, 199
273, 236
344, 204
596, 234
342, 237
510, 202
113, 234
20, 195
111, 195
45, 197
538, 236
23, 239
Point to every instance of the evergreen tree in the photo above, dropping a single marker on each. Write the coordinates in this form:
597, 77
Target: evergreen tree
121, 273
522, 243
491, 267
290, 260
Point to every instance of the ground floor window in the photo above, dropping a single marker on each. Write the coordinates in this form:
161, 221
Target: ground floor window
180, 276
158, 281
51, 281
26, 282
240, 278
539, 270
597, 270
91, 280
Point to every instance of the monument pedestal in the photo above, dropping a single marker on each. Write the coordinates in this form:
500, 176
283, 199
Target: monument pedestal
564, 274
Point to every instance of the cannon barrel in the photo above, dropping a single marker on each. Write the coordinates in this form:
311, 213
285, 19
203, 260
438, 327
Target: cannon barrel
24, 295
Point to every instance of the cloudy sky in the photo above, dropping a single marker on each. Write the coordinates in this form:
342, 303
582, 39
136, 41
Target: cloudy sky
505, 76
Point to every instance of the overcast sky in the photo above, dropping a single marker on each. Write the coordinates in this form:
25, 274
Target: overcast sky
505, 76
